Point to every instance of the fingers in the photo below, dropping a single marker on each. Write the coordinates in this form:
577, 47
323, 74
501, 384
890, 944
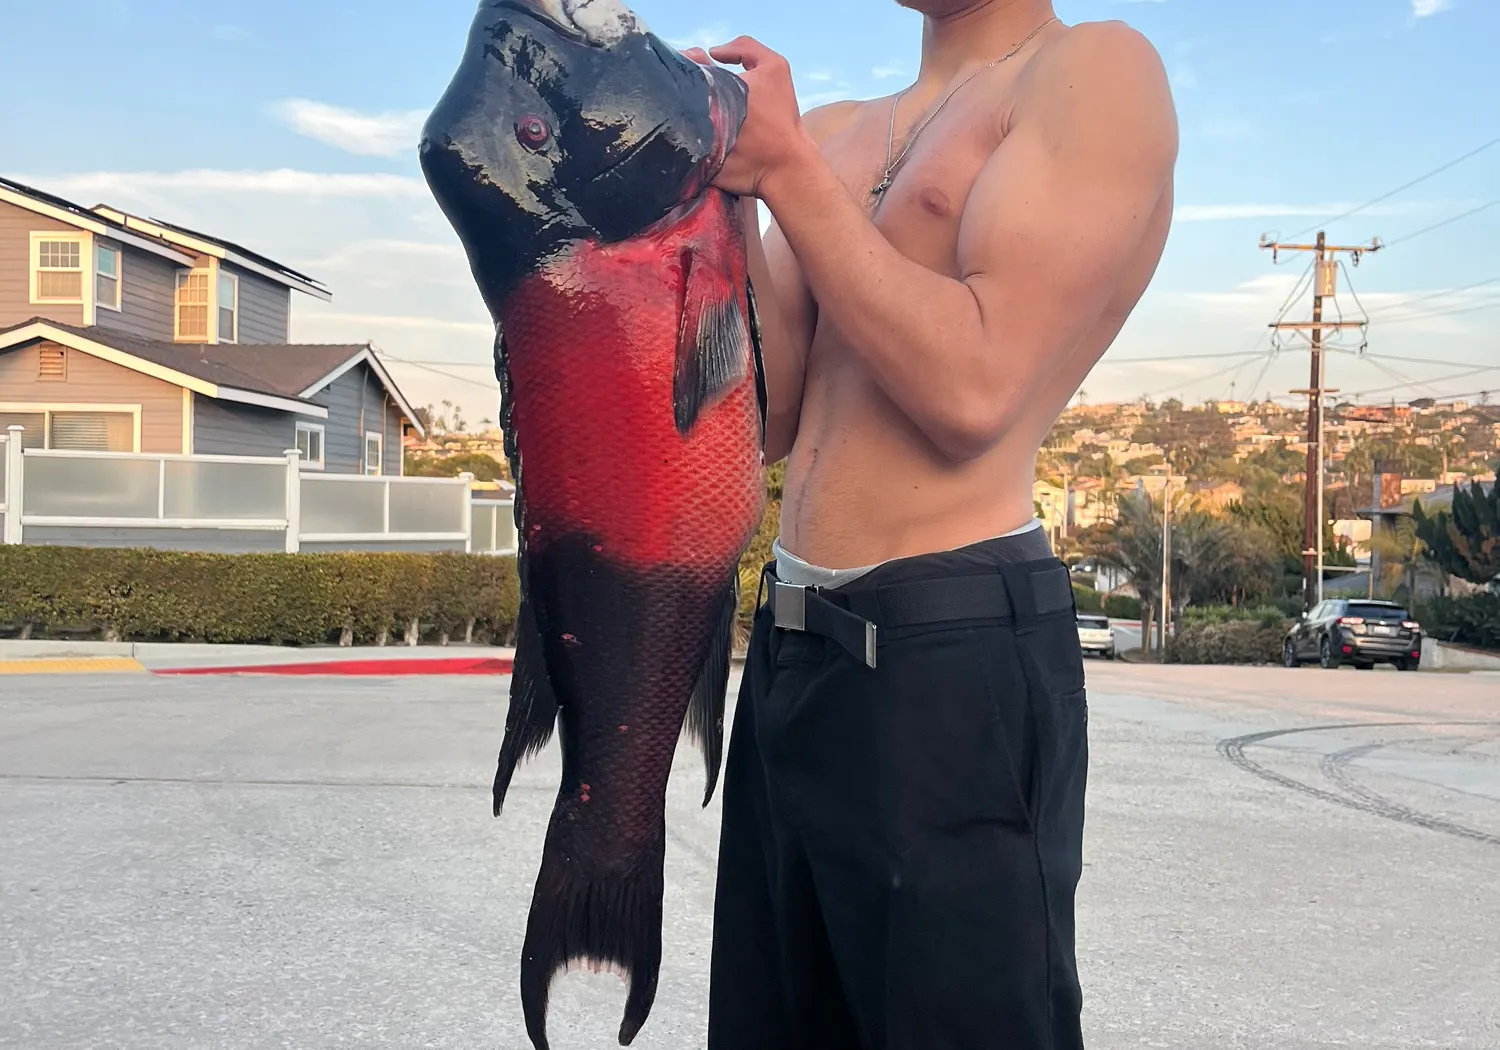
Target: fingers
698, 55
745, 51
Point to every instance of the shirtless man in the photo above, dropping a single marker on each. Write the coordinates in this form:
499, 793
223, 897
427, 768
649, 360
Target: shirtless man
903, 811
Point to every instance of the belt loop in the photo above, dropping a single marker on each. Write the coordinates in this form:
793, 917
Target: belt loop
1022, 596
769, 569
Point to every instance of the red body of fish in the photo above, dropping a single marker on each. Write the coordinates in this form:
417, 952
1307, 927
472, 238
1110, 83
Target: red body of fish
634, 408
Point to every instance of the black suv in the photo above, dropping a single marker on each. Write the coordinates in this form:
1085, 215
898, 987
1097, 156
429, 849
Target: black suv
1355, 631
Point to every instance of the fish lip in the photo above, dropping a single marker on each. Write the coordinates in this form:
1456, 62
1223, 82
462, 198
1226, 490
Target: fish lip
526, 9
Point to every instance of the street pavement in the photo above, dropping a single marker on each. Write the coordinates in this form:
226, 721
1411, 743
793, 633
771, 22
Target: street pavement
306, 863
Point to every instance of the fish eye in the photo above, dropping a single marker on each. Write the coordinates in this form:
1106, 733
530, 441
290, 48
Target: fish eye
533, 132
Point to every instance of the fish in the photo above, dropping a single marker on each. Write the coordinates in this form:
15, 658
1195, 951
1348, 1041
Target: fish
574, 154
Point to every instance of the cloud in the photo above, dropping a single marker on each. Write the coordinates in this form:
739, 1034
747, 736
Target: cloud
1427, 8
279, 182
1226, 212
890, 69
704, 37
820, 77
1184, 77
363, 134
368, 322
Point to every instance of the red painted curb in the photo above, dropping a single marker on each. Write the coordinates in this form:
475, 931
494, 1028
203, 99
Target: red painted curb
476, 665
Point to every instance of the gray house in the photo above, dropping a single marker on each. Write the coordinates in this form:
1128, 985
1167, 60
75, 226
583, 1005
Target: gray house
124, 334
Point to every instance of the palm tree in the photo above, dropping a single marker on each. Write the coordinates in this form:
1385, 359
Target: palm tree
1134, 547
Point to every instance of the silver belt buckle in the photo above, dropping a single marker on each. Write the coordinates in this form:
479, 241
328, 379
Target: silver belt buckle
789, 606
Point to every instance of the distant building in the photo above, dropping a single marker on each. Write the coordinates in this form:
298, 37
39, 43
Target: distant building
1214, 495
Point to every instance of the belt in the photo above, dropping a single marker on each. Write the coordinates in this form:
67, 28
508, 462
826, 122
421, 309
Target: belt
1017, 594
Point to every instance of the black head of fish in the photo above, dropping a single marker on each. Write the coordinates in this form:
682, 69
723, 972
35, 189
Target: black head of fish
566, 121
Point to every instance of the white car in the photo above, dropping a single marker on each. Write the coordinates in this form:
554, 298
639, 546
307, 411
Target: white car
1095, 635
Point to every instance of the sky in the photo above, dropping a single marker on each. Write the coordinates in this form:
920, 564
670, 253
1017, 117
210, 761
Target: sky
290, 126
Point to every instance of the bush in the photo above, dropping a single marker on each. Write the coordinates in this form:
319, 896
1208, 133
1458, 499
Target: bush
1087, 599
1122, 607
1473, 620
1227, 642
1265, 615
756, 557
256, 599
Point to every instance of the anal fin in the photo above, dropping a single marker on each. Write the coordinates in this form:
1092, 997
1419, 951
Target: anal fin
713, 341
705, 714
533, 705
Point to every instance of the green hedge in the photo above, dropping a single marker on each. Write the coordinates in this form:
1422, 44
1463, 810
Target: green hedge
1122, 607
1087, 599
1265, 615
1472, 620
269, 599
1228, 642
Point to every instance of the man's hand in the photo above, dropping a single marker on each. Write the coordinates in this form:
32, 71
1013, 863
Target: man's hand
772, 141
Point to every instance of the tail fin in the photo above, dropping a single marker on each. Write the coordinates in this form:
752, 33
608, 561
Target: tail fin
605, 917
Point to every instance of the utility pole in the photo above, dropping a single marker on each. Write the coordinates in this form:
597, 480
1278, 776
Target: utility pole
1166, 559
1325, 285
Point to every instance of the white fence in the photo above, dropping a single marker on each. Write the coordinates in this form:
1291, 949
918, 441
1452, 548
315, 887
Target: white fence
225, 502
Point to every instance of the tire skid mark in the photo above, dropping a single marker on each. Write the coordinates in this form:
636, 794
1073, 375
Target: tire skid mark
1335, 767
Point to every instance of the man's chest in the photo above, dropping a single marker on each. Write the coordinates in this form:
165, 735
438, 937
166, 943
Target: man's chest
917, 200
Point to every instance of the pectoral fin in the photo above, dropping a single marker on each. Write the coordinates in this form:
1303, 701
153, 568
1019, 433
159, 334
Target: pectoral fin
713, 341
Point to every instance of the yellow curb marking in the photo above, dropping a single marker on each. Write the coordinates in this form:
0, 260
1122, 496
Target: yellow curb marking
100, 665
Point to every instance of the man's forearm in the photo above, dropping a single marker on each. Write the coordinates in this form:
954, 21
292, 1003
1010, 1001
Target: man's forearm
921, 334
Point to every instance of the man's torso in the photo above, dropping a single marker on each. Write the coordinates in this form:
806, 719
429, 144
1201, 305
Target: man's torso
863, 484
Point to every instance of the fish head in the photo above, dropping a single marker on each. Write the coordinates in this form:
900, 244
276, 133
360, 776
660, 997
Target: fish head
569, 121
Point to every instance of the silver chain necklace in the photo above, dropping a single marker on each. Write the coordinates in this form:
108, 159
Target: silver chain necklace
892, 166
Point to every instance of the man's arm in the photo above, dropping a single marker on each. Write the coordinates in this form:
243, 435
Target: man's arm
787, 311
1056, 215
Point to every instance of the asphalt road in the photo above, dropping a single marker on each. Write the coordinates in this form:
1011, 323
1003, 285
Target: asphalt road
258, 863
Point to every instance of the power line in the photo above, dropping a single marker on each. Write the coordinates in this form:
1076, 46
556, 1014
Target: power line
1426, 361
492, 386
1175, 357
1430, 382
1488, 304
1404, 303
1440, 225
1184, 383
1402, 188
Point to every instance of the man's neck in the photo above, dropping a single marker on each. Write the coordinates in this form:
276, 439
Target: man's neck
980, 32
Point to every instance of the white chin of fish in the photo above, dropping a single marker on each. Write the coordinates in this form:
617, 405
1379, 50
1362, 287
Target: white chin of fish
602, 22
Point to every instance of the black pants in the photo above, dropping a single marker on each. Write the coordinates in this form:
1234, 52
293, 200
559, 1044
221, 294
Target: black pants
901, 846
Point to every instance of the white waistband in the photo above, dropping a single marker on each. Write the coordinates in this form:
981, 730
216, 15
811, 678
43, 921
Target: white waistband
793, 570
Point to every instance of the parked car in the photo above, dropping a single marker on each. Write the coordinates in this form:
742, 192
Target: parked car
1095, 635
1355, 631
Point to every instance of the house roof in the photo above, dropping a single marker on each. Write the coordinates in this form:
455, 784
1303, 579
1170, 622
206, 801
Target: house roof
177, 243
218, 248
269, 375
42, 203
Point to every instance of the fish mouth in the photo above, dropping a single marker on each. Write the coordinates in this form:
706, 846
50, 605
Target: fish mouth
598, 23
535, 11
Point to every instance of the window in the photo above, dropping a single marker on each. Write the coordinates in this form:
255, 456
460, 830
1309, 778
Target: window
192, 306
310, 444
59, 271
107, 278
92, 431
53, 362
229, 308
81, 428
374, 452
